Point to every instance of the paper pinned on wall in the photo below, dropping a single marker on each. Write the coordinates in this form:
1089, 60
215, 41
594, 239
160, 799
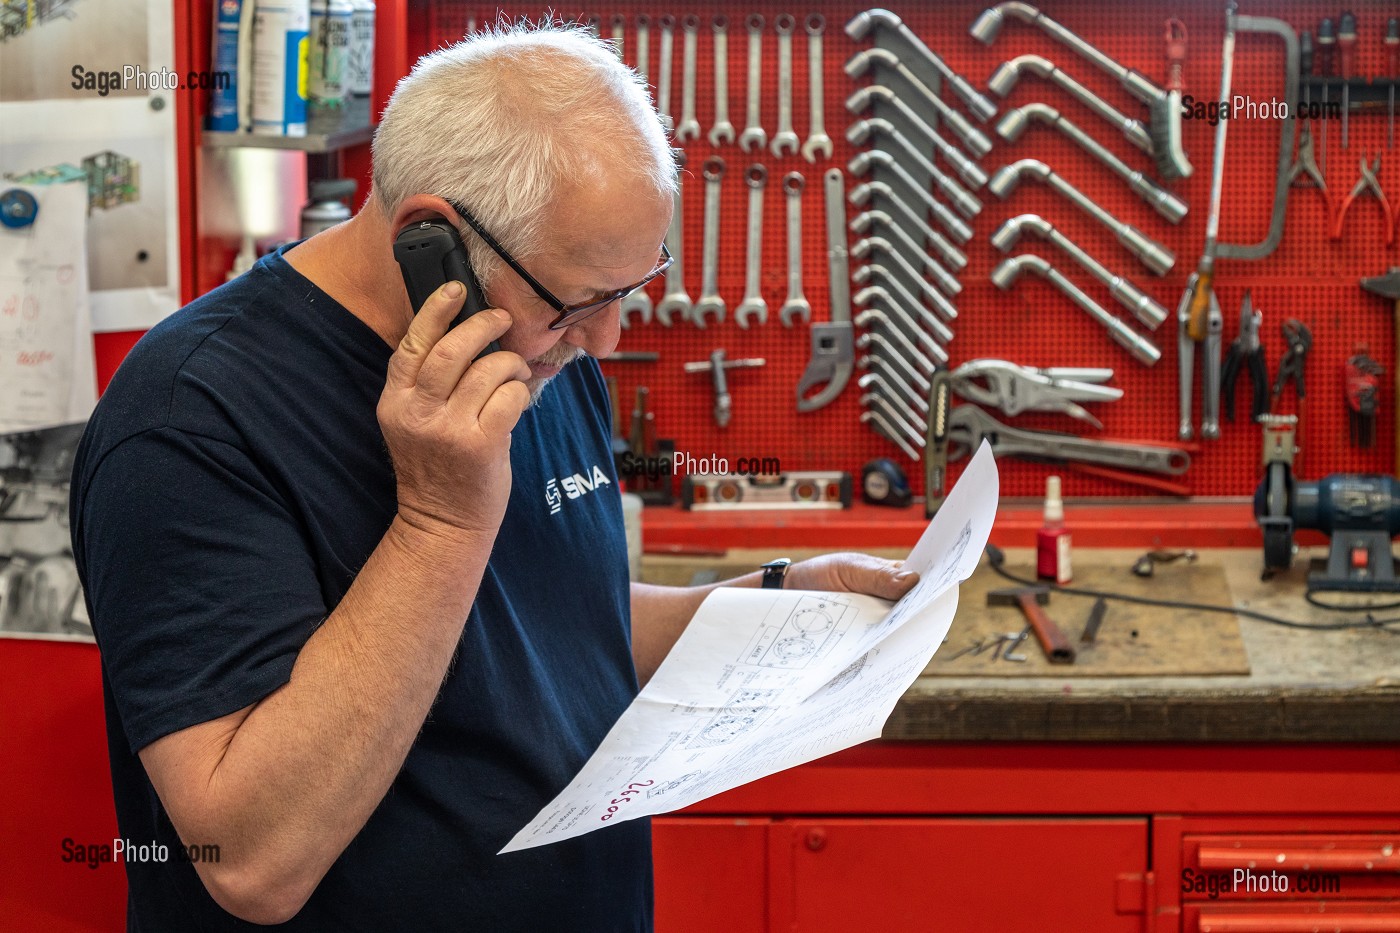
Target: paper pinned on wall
764, 680
47, 371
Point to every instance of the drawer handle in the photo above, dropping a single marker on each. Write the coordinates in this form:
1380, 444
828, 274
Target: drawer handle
1384, 857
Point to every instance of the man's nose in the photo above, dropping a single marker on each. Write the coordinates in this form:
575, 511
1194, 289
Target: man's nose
599, 333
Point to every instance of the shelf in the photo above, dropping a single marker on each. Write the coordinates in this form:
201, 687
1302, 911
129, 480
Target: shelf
327, 131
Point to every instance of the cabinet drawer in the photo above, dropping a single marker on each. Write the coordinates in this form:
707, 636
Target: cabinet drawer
1291, 918
1312, 866
1008, 875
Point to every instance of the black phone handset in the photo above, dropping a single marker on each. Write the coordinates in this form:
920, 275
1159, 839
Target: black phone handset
430, 254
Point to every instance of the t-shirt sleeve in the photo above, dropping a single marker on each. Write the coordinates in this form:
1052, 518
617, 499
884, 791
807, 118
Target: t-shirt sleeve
200, 582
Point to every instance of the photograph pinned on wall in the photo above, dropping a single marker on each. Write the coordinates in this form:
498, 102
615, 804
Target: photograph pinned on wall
86, 94
40, 596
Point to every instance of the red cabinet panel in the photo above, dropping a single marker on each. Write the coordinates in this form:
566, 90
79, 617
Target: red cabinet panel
711, 874
1002, 875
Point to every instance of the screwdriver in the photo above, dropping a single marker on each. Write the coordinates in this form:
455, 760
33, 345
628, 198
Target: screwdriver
1392, 51
1326, 45
1346, 42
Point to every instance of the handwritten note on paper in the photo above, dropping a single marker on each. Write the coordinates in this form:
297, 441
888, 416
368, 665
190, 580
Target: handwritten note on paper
763, 680
47, 372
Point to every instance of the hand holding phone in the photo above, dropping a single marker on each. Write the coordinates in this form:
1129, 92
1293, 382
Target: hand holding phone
430, 254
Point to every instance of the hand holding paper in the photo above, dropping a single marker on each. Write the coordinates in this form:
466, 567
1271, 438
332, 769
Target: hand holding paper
762, 680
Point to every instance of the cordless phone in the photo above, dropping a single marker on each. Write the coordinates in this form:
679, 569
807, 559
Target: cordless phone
430, 254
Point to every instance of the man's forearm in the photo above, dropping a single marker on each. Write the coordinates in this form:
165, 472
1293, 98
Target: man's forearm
302, 773
661, 613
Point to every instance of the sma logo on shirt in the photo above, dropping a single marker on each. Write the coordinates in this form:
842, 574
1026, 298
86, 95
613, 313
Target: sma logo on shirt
573, 487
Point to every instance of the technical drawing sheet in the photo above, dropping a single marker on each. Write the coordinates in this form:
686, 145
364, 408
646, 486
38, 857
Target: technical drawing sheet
763, 680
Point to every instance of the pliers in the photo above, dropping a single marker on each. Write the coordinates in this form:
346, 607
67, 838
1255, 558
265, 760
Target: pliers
1367, 182
1246, 349
1299, 340
1306, 165
1014, 389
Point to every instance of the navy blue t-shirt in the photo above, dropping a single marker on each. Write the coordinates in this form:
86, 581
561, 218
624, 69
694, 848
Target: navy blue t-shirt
232, 482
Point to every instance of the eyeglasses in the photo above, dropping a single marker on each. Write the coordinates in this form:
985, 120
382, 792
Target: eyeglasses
567, 314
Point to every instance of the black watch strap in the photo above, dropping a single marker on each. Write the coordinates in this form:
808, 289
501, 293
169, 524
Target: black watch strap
773, 573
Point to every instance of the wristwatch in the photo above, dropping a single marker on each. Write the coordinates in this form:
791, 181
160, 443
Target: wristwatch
774, 571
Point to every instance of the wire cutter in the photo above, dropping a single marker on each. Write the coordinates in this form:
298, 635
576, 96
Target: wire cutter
1299, 340
1014, 389
1246, 350
1367, 183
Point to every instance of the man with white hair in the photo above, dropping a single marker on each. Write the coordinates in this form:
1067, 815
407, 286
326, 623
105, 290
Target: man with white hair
348, 637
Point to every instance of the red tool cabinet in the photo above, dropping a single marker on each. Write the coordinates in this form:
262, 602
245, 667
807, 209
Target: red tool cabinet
1042, 839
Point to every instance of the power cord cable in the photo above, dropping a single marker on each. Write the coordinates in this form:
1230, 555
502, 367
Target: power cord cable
997, 560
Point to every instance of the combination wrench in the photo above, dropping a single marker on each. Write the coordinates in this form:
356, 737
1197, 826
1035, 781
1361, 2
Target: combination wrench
677, 299
619, 32
785, 141
723, 130
818, 143
753, 136
667, 25
753, 304
689, 127
797, 304
643, 46
710, 302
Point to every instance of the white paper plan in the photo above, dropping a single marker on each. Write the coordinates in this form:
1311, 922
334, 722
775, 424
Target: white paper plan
762, 680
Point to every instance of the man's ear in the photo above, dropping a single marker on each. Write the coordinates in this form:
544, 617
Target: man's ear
420, 207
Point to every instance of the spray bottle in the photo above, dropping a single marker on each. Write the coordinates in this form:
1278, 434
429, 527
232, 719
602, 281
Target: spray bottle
1052, 541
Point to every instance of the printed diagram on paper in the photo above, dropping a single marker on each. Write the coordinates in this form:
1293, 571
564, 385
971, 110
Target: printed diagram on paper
763, 680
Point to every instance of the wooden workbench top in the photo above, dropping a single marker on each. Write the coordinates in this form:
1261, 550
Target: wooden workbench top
1301, 685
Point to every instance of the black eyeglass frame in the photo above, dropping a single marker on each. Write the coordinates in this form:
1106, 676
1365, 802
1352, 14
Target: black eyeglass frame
567, 314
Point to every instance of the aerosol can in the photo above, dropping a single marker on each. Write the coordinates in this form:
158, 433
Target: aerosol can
327, 206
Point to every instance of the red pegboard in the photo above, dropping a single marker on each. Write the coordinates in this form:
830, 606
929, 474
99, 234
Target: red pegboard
1310, 277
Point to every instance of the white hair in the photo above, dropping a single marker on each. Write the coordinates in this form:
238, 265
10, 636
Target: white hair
502, 120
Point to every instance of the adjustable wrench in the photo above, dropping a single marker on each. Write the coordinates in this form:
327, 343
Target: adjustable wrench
677, 299
723, 130
753, 136
785, 142
818, 143
753, 304
689, 127
667, 25
643, 46
832, 352
710, 302
796, 304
